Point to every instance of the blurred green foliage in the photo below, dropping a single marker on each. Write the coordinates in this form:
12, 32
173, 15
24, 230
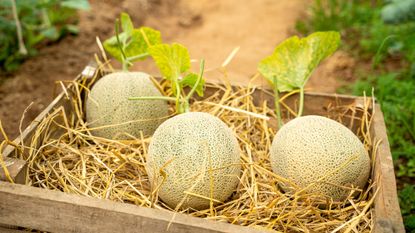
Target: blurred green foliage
399, 11
407, 201
41, 20
387, 43
396, 92
336, 15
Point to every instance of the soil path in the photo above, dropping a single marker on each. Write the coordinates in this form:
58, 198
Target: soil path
211, 29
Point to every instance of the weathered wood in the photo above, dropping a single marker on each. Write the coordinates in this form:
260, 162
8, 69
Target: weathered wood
9, 230
387, 212
55, 211
28, 132
16, 169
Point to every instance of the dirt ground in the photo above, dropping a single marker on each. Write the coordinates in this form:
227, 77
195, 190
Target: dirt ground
211, 29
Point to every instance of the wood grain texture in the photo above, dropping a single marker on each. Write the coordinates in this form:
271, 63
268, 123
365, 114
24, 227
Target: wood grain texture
16, 169
55, 211
388, 216
10, 230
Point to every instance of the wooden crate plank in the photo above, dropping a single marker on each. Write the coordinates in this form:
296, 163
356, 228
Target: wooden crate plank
55, 211
9, 230
388, 216
28, 132
16, 169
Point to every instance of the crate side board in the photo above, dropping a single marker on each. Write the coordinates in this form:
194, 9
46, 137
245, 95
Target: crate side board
5, 229
388, 216
17, 167
316, 103
56, 211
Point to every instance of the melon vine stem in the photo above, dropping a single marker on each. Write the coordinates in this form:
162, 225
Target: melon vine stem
123, 57
277, 102
182, 102
192, 91
153, 98
300, 108
143, 55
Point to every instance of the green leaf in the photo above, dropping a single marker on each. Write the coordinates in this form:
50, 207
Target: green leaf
51, 33
397, 12
135, 46
141, 40
172, 60
111, 45
73, 29
76, 4
190, 81
295, 59
126, 24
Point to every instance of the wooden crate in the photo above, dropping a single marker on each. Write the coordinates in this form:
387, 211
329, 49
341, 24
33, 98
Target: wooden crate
54, 211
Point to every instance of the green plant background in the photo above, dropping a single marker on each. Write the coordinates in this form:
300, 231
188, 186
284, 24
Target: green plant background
370, 37
41, 20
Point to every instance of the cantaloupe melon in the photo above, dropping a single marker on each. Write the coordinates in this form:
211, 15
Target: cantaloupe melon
184, 149
115, 116
317, 149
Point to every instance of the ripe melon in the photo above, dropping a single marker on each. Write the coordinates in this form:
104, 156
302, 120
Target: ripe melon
312, 147
184, 149
108, 106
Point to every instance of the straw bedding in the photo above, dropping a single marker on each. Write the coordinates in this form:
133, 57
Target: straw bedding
64, 156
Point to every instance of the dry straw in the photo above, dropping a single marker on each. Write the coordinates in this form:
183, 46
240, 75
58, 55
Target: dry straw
63, 155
